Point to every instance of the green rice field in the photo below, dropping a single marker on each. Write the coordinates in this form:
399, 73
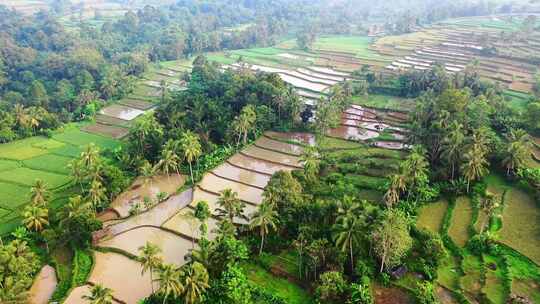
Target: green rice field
461, 217
431, 216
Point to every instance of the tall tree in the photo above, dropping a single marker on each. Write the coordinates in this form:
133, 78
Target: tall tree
245, 122
230, 206
311, 161
150, 260
169, 279
265, 218
391, 238
452, 146
39, 193
347, 234
192, 149
99, 295
195, 282
475, 165
35, 217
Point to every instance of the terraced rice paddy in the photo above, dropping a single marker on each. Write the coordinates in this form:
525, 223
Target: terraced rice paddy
214, 184
461, 217
44, 286
47, 159
520, 228
431, 216
122, 275
142, 188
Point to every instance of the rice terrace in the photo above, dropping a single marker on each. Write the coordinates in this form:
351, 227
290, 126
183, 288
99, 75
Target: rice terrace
269, 152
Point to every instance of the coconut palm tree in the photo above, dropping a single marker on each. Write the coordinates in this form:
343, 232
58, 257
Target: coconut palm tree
195, 282
311, 160
150, 260
75, 207
230, 205
347, 234
475, 166
35, 217
39, 193
90, 156
99, 295
96, 194
192, 149
452, 145
146, 172
245, 122
516, 156
169, 279
77, 171
169, 161
397, 185
265, 218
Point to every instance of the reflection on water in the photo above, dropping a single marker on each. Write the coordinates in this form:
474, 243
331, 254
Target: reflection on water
122, 275
122, 112
272, 156
150, 188
352, 133
267, 143
216, 184
256, 164
304, 138
184, 223
155, 216
173, 247
229, 171
44, 286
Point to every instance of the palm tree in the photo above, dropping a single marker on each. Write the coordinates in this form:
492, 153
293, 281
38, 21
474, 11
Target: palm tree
21, 116
39, 193
90, 156
99, 295
195, 282
35, 218
348, 234
96, 194
149, 259
169, 281
146, 171
169, 161
475, 165
230, 205
192, 149
75, 208
312, 162
265, 218
77, 171
452, 145
516, 156
245, 122
397, 186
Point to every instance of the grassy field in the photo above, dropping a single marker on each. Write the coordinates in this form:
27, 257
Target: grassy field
448, 275
493, 286
24, 161
384, 102
281, 287
471, 281
520, 228
459, 227
431, 215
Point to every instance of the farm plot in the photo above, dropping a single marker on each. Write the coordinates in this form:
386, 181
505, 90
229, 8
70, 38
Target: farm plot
228, 171
431, 216
173, 247
121, 112
214, 184
461, 218
520, 228
256, 165
50, 163
107, 130
122, 275
274, 145
186, 224
272, 156
24, 148
76, 137
28, 177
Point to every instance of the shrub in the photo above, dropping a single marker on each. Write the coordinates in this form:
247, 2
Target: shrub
82, 265
424, 293
332, 288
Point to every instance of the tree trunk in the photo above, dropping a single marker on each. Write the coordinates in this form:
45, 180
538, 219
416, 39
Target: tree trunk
191, 173
245, 137
262, 243
352, 261
382, 261
152, 280
468, 184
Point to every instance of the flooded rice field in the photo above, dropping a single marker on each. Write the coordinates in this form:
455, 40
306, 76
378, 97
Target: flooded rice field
271, 144
122, 112
184, 223
352, 133
106, 130
156, 216
173, 247
301, 138
146, 188
392, 145
245, 176
213, 205
272, 156
76, 295
313, 79
303, 84
44, 286
214, 184
329, 71
320, 75
122, 275
256, 165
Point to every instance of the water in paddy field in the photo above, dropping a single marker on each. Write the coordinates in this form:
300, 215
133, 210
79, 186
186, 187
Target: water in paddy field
141, 189
243, 175
352, 133
267, 143
281, 158
122, 112
246, 193
304, 138
256, 164
173, 247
